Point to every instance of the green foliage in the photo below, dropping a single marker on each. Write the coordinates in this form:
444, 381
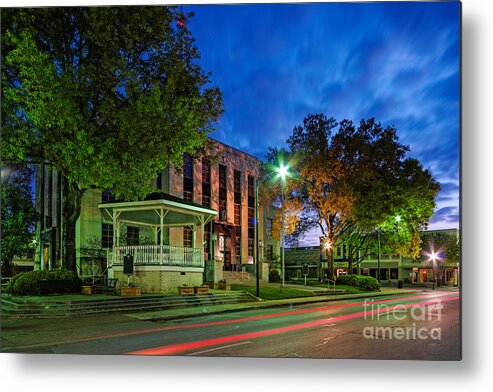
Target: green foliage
352, 179
108, 95
367, 283
18, 215
274, 276
28, 283
445, 244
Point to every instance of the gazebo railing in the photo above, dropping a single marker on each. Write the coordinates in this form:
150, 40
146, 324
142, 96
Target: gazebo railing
167, 255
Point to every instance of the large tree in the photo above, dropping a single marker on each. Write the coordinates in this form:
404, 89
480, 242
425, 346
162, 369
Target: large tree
354, 180
109, 96
18, 214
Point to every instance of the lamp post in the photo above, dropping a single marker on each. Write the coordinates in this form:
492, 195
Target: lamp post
328, 248
433, 257
282, 171
379, 256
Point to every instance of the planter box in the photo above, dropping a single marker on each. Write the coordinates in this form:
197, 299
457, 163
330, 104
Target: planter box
201, 289
223, 286
130, 291
86, 290
185, 290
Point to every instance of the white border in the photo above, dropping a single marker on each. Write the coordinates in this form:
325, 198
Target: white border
82, 373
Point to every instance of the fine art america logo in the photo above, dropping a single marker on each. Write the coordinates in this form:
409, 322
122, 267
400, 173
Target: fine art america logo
410, 316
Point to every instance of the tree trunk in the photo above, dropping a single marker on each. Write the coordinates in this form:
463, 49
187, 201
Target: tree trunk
71, 211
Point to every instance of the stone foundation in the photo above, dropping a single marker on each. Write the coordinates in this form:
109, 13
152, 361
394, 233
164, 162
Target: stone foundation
155, 280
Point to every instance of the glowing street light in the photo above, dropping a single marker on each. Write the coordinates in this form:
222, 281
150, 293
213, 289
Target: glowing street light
328, 248
433, 257
282, 171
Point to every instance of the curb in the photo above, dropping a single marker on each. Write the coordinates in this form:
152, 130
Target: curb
266, 304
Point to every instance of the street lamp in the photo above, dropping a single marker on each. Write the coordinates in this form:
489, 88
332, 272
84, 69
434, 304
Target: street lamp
328, 247
282, 172
433, 258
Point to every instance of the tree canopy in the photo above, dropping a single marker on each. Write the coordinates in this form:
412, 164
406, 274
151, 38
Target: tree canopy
107, 95
350, 180
18, 214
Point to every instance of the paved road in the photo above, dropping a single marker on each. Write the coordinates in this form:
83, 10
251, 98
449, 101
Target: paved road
413, 326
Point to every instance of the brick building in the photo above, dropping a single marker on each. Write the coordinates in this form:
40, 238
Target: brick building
198, 223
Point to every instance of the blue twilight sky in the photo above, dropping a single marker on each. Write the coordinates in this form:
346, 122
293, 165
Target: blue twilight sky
397, 62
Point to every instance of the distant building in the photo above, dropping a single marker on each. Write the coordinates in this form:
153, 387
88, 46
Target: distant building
200, 220
392, 267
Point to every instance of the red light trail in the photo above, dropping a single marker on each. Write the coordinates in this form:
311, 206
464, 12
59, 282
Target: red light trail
183, 347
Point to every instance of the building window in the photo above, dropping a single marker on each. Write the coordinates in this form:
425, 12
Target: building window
187, 237
237, 214
339, 251
187, 167
188, 178
222, 176
269, 252
237, 197
132, 235
268, 227
159, 181
238, 248
206, 184
394, 273
107, 196
251, 191
237, 182
250, 247
106, 235
251, 217
222, 193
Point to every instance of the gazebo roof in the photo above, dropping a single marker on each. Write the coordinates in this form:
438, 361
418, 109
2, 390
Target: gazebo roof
174, 212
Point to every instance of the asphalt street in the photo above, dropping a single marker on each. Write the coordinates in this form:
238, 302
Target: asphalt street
424, 325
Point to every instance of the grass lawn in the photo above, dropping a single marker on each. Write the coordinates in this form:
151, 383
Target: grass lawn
349, 289
274, 292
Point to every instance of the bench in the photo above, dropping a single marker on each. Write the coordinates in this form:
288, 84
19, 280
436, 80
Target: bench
107, 286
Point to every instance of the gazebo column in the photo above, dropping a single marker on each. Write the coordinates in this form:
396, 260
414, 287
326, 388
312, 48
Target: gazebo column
161, 222
161, 213
116, 232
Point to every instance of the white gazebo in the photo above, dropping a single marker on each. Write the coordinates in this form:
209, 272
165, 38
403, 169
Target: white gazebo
159, 266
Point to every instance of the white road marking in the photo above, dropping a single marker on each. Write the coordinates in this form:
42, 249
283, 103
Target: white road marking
218, 348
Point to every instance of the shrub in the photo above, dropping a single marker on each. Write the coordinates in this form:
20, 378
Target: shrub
29, 283
365, 282
274, 276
